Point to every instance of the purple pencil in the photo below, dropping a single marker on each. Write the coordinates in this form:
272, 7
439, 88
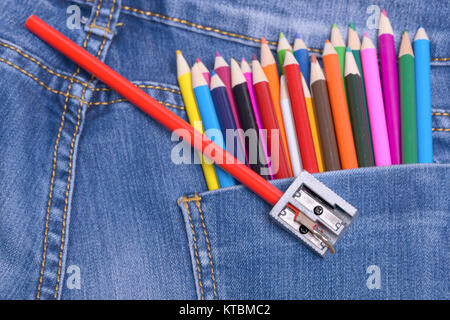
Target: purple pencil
389, 77
247, 71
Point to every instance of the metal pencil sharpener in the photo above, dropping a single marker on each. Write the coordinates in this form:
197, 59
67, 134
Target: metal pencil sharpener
314, 213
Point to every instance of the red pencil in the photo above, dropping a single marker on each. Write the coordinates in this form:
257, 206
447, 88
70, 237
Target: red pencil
269, 120
300, 113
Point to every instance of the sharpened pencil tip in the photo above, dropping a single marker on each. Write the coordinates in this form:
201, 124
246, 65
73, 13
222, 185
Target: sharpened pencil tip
254, 57
420, 26
313, 58
263, 40
327, 41
366, 35
335, 25
281, 35
178, 51
351, 25
348, 49
384, 12
198, 60
212, 73
217, 54
297, 36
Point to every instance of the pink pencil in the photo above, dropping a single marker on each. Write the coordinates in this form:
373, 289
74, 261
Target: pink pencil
375, 103
247, 71
389, 74
205, 72
222, 69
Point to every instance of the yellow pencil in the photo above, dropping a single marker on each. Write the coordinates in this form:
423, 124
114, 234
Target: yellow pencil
185, 83
313, 124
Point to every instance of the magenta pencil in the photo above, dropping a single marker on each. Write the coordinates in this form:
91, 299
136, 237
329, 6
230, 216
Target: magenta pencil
375, 103
389, 74
247, 71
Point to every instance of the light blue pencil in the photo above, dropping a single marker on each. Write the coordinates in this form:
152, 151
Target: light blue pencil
423, 96
209, 119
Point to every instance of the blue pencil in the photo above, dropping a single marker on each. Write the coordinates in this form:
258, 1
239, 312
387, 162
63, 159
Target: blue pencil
423, 96
210, 120
225, 115
302, 55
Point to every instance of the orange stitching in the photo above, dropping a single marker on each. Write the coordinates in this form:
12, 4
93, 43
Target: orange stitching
99, 27
441, 114
227, 33
66, 200
441, 129
197, 202
185, 203
145, 86
97, 103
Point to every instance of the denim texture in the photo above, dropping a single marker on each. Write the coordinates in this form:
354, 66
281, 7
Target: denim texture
86, 179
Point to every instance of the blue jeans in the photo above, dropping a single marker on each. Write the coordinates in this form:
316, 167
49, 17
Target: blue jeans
91, 205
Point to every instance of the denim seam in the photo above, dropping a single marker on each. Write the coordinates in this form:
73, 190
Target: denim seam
75, 134
445, 114
186, 205
441, 129
198, 200
54, 170
219, 31
59, 75
40, 82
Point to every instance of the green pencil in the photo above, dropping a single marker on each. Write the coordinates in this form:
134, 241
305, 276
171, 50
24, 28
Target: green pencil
283, 46
358, 117
408, 100
355, 45
339, 45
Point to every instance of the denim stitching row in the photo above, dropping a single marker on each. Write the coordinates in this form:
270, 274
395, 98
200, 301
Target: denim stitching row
223, 32
186, 205
198, 199
54, 167
40, 82
69, 175
52, 72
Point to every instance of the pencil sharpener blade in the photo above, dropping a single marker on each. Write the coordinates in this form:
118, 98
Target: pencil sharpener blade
317, 205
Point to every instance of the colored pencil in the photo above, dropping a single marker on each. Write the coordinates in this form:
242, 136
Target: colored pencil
375, 105
223, 110
253, 144
269, 66
324, 117
302, 55
185, 83
283, 46
247, 72
300, 113
357, 111
355, 44
204, 71
288, 118
339, 45
339, 107
313, 124
407, 100
278, 157
389, 77
222, 69
423, 96
209, 119
155, 110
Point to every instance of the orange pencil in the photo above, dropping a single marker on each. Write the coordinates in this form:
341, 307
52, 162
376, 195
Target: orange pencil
269, 66
339, 107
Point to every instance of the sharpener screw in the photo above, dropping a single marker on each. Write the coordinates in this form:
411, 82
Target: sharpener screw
318, 210
303, 229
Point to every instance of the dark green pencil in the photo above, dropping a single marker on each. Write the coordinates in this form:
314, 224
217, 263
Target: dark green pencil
355, 45
358, 114
407, 100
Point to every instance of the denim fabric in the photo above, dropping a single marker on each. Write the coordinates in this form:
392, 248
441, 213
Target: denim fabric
87, 183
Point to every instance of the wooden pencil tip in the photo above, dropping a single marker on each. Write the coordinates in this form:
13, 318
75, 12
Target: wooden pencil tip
348, 49
335, 25
254, 57
282, 35
178, 52
297, 36
327, 41
351, 25
366, 35
384, 13
313, 58
198, 60
217, 54
263, 40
